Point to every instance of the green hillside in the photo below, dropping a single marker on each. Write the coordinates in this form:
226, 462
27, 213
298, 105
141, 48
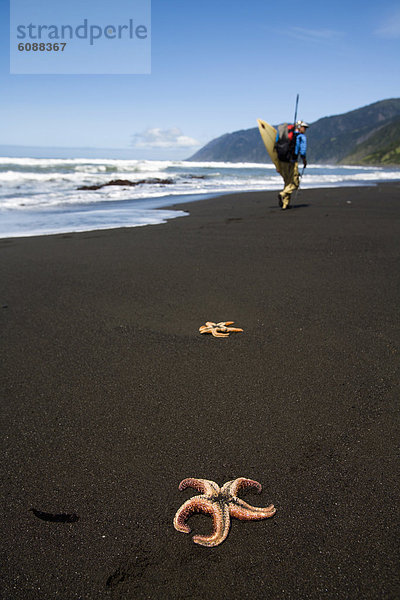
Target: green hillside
346, 139
381, 148
331, 139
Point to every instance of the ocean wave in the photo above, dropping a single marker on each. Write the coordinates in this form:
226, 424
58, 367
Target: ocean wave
121, 164
30, 183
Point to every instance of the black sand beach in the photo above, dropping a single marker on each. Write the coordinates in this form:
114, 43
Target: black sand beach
110, 397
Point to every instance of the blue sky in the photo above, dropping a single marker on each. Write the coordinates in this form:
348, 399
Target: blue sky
217, 66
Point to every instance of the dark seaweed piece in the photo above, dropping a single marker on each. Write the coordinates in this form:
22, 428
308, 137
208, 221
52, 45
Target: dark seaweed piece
55, 518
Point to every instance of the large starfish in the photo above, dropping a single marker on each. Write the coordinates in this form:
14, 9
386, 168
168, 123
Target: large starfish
218, 329
221, 504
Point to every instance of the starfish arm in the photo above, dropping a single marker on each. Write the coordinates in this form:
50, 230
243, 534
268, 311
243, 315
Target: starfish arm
224, 323
191, 506
217, 333
211, 324
206, 486
231, 488
220, 514
205, 329
233, 329
241, 510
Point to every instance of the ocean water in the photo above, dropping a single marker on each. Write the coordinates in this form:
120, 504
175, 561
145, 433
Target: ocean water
40, 196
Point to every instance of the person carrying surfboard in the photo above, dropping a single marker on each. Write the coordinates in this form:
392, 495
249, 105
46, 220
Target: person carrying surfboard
290, 143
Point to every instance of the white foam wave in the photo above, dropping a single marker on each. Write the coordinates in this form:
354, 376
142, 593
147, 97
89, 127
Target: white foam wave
75, 176
125, 164
78, 221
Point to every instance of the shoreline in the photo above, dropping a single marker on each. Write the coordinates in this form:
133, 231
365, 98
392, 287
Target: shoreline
111, 397
172, 204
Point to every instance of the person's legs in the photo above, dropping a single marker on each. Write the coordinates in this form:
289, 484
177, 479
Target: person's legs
284, 171
291, 178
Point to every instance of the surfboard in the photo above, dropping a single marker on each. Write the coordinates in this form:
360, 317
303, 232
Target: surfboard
268, 134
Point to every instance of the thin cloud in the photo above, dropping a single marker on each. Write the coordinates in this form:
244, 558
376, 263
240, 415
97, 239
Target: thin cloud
162, 138
390, 28
314, 35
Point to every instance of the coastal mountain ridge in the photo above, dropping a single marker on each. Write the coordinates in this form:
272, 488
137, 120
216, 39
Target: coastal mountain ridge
367, 135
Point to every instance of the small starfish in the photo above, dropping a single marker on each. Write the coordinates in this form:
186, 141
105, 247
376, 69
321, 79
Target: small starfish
218, 329
221, 504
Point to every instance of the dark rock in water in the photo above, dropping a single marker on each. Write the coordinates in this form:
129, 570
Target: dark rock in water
126, 183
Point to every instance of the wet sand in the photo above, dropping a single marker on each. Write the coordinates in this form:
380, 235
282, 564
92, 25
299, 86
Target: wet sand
110, 397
